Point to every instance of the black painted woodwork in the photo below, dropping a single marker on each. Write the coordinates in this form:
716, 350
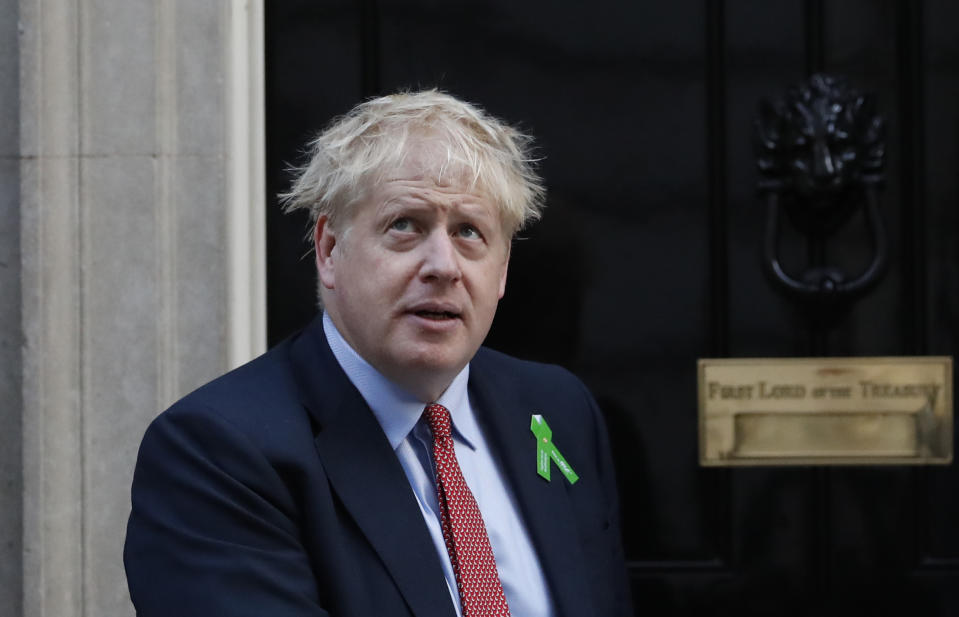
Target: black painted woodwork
649, 255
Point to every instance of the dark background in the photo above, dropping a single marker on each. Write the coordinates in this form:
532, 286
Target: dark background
648, 256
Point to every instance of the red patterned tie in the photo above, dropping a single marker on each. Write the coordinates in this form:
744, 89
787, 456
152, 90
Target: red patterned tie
481, 593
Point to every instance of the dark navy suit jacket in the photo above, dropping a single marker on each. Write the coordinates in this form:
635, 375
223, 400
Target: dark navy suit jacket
273, 492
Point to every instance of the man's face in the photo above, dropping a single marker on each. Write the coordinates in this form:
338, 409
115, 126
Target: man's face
413, 278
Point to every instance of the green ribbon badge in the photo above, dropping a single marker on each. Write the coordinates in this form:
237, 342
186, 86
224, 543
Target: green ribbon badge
546, 450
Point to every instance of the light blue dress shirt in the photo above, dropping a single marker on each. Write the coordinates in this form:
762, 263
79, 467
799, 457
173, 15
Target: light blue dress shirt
400, 413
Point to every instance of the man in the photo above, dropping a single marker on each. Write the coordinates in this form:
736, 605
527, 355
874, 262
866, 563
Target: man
381, 462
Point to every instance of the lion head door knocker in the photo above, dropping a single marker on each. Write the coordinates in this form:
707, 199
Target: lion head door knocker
820, 157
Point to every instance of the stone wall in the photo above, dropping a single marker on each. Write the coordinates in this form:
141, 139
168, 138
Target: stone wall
137, 187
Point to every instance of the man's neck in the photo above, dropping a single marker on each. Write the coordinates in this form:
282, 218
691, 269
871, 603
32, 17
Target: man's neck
396, 408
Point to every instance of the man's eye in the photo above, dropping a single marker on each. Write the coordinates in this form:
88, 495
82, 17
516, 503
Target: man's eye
469, 232
402, 224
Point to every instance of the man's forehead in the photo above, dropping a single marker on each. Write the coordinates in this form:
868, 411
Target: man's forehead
416, 181
419, 194
431, 157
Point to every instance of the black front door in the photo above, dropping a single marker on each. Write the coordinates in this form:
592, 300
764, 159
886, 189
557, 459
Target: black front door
648, 256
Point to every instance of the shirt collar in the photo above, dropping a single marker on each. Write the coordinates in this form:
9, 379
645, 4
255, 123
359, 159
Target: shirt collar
395, 409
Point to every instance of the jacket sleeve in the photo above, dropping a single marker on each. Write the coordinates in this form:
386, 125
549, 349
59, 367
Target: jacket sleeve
213, 529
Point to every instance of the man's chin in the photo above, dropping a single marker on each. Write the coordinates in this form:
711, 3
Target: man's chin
429, 364
437, 361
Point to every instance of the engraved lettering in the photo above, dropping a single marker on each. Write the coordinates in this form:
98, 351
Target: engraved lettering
832, 392
873, 389
779, 391
737, 392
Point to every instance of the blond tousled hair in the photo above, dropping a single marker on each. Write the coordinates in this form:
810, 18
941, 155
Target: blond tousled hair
463, 144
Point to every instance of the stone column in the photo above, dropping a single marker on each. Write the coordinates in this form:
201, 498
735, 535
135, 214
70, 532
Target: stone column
141, 197
11, 485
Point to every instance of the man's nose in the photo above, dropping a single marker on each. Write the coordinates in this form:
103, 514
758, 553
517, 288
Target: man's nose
440, 259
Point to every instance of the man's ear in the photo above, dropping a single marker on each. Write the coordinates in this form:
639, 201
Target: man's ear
324, 241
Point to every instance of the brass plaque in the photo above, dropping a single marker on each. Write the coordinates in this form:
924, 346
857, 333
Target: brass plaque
825, 411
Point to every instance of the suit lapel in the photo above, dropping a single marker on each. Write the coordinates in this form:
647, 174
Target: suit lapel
365, 473
545, 506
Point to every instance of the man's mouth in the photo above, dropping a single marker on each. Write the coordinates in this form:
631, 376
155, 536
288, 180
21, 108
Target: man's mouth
436, 311
436, 315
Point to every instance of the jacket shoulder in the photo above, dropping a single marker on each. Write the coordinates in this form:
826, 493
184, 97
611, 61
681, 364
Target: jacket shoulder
537, 377
259, 400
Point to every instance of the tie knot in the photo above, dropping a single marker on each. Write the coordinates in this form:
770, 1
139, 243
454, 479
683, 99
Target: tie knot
439, 420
